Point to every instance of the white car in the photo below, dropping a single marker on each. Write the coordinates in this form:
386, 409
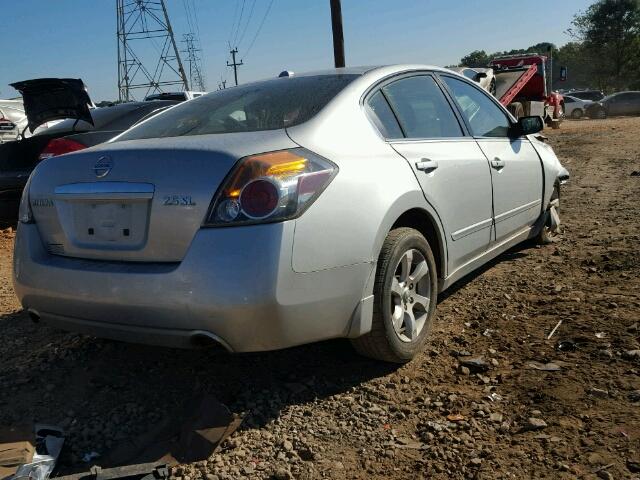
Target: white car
575, 107
12, 119
483, 76
179, 96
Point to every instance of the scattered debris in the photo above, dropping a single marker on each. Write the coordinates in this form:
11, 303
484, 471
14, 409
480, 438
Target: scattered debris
192, 437
554, 329
634, 396
566, 345
17, 446
534, 423
601, 334
598, 392
633, 465
475, 364
144, 471
28, 452
496, 417
635, 173
546, 367
631, 355
455, 417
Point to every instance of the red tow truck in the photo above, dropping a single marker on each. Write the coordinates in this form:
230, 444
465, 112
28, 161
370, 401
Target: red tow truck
523, 86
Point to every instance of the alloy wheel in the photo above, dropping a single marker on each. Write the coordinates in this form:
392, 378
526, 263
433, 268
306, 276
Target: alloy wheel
410, 295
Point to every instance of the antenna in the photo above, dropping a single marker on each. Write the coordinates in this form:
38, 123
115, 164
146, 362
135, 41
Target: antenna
145, 38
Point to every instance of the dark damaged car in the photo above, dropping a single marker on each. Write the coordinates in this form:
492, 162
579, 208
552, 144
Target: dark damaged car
49, 99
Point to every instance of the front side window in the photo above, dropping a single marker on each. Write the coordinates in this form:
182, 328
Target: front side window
485, 118
268, 105
421, 108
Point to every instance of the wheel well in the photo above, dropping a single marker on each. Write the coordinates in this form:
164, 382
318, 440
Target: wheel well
422, 221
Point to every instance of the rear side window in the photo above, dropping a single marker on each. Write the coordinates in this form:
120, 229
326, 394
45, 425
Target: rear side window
421, 108
268, 105
383, 116
485, 118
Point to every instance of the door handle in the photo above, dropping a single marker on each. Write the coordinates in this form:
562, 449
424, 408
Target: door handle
497, 163
426, 165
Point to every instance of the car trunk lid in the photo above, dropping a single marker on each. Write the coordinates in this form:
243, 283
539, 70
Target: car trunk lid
139, 200
47, 99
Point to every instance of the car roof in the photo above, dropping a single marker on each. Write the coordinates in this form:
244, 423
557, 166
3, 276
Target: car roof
364, 69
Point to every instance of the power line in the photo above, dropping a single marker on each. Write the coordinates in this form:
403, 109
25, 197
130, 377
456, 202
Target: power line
247, 24
233, 23
235, 38
259, 28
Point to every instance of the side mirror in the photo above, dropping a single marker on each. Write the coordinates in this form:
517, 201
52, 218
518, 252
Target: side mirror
529, 125
563, 74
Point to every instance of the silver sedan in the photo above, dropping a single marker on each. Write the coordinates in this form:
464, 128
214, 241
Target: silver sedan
287, 211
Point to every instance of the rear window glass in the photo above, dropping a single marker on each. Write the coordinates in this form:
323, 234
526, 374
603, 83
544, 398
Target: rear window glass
383, 117
268, 105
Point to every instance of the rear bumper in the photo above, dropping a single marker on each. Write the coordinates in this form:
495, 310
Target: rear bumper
235, 286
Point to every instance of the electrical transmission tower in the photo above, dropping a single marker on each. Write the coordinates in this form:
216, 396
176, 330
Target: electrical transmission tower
196, 80
145, 39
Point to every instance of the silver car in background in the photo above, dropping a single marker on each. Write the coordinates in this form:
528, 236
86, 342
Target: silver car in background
287, 211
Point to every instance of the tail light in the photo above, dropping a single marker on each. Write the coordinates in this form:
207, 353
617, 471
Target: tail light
270, 187
60, 146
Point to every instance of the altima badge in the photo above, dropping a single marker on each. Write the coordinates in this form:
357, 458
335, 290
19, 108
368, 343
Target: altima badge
103, 166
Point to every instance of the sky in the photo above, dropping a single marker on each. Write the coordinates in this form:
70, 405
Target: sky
77, 38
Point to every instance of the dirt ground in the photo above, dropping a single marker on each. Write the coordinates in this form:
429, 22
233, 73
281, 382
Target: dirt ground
320, 411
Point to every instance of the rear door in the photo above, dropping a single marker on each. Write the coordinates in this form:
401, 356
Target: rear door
451, 169
516, 170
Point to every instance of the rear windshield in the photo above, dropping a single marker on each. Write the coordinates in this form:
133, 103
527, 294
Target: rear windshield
268, 105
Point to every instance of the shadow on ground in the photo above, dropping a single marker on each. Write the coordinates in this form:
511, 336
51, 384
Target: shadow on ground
103, 392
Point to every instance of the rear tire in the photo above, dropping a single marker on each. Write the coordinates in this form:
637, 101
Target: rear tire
577, 113
492, 87
405, 297
516, 109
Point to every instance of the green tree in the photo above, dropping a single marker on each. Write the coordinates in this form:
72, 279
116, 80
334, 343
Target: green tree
477, 58
610, 31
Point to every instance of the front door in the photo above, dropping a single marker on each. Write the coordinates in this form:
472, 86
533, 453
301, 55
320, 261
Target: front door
516, 169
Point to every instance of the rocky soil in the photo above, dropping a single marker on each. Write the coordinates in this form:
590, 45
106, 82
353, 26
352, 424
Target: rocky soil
491, 396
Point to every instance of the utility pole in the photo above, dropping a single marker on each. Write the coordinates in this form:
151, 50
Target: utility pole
338, 35
234, 64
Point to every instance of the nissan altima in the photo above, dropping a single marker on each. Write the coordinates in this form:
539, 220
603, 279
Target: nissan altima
286, 211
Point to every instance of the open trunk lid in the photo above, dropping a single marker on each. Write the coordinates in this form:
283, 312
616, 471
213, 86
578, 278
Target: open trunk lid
138, 200
47, 99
